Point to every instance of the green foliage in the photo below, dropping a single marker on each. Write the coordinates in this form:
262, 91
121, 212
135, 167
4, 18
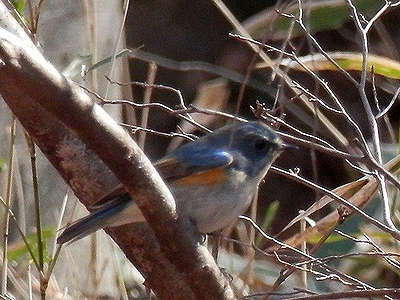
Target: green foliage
19, 251
267, 220
1, 164
320, 16
18, 5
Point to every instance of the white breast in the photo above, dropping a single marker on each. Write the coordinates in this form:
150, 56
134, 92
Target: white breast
213, 207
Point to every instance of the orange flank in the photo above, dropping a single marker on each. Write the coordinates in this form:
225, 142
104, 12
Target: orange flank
206, 177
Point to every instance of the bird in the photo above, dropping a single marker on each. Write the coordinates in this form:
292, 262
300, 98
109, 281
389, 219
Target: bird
213, 180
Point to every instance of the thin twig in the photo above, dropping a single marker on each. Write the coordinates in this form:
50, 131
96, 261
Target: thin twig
340, 200
377, 153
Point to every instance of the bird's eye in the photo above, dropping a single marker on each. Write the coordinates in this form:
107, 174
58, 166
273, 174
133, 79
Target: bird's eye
260, 144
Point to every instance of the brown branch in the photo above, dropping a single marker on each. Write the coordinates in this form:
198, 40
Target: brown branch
90, 179
47, 104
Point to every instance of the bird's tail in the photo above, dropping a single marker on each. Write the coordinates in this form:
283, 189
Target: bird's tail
100, 218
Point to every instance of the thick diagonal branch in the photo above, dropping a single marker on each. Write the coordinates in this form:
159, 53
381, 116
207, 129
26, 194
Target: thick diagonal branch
69, 128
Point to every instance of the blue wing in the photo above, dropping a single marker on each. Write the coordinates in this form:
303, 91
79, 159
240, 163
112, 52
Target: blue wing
96, 220
183, 164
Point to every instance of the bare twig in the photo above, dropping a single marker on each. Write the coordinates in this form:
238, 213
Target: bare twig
340, 200
6, 218
377, 153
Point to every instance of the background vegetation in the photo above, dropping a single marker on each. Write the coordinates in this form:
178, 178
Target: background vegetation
323, 73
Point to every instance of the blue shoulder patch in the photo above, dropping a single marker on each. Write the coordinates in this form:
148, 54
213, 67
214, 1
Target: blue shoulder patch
207, 158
